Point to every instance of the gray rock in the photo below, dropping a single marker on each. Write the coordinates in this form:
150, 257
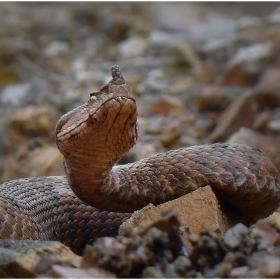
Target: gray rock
133, 47
56, 48
15, 94
274, 125
234, 235
248, 22
251, 53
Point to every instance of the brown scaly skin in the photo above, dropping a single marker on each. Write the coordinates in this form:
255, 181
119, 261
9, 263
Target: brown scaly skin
95, 136
92, 138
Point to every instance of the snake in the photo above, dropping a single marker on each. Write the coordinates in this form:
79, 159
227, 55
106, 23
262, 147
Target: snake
96, 195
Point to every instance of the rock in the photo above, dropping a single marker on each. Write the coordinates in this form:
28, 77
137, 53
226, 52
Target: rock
218, 29
220, 50
41, 161
166, 103
196, 209
56, 48
274, 17
250, 137
264, 266
16, 94
265, 234
240, 113
183, 53
239, 272
267, 91
234, 235
30, 122
241, 75
59, 271
252, 53
274, 125
156, 243
206, 72
170, 134
19, 258
274, 219
214, 98
273, 153
133, 47
248, 22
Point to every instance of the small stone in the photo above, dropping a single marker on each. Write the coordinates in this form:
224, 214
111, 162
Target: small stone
133, 47
15, 94
56, 48
59, 271
274, 125
152, 272
250, 137
18, 257
251, 53
270, 84
248, 22
241, 112
239, 272
234, 235
166, 103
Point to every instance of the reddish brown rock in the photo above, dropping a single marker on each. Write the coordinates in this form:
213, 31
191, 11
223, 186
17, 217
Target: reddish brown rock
196, 209
240, 113
250, 137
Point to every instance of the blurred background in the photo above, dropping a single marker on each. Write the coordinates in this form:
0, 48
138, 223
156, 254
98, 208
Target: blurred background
200, 71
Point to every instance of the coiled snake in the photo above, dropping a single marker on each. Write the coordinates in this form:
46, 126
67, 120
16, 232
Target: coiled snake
92, 138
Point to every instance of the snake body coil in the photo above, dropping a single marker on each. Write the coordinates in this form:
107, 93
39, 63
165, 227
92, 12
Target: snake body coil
92, 138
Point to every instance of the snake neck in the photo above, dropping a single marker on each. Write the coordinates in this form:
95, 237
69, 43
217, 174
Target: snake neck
94, 136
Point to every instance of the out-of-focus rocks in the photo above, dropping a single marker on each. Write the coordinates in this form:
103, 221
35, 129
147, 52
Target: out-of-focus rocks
196, 209
30, 122
241, 75
240, 113
29, 258
250, 137
248, 22
251, 53
166, 104
273, 153
214, 98
44, 160
274, 125
234, 235
156, 243
59, 271
15, 94
56, 48
268, 88
133, 47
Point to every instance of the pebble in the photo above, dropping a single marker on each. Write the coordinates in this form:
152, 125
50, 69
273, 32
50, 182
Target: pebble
252, 53
16, 95
56, 48
133, 47
234, 235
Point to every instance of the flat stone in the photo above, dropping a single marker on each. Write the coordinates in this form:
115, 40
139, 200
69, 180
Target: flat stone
19, 257
250, 137
196, 209
59, 271
241, 112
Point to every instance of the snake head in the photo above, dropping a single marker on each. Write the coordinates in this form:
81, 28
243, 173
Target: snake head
108, 121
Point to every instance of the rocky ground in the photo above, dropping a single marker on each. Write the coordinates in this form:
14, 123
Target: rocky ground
200, 72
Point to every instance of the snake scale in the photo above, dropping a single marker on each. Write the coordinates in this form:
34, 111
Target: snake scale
92, 138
